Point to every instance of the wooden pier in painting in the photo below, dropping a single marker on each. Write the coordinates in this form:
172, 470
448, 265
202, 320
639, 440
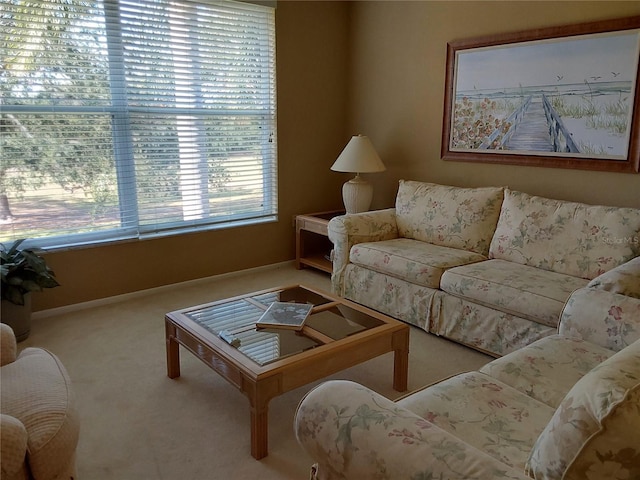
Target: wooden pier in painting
532, 133
535, 126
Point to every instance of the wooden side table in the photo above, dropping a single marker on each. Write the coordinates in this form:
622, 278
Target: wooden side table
313, 246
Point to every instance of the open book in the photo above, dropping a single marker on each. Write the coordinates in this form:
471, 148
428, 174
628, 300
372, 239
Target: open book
285, 315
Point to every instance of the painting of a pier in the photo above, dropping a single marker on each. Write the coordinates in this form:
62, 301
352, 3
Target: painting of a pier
570, 97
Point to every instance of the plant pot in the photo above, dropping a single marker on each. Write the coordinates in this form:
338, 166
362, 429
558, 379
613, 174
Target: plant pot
18, 317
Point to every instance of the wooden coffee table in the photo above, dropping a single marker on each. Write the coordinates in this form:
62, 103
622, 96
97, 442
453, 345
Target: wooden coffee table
265, 363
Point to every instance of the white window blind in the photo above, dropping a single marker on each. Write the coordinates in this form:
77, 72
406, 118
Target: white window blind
125, 118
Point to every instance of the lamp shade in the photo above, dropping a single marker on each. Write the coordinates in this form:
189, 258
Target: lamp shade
358, 156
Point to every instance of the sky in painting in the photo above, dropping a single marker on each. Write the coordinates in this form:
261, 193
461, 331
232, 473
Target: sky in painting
601, 58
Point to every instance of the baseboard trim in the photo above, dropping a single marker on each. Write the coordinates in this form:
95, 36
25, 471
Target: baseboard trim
141, 293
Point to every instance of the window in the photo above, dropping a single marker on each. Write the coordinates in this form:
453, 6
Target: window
129, 118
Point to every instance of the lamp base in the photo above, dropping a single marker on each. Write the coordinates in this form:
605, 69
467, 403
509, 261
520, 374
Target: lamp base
357, 194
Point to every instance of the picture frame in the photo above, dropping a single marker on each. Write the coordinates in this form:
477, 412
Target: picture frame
578, 82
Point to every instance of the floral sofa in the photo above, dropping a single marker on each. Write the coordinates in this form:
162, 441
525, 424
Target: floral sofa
567, 406
487, 267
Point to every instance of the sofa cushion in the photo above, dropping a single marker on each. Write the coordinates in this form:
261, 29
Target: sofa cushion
392, 296
483, 328
565, 237
412, 260
624, 279
596, 429
485, 413
524, 291
548, 368
463, 218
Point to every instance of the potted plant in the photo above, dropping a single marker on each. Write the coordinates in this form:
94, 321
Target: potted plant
23, 271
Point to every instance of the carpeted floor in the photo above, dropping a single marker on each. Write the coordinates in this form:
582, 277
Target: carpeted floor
138, 424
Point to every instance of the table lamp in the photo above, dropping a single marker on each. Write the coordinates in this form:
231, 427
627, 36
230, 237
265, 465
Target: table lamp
358, 157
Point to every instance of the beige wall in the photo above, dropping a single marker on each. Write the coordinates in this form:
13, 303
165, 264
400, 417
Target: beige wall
375, 68
397, 93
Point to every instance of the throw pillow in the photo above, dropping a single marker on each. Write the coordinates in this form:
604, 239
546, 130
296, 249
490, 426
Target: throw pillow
595, 432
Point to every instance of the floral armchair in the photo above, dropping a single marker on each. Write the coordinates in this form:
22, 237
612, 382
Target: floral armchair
566, 406
39, 422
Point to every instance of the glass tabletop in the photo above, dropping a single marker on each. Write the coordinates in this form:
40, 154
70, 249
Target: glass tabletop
235, 322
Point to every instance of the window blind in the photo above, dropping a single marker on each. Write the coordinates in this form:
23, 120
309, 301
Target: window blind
125, 118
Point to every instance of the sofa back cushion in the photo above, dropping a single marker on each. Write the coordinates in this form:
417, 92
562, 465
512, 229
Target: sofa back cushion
455, 217
596, 428
565, 237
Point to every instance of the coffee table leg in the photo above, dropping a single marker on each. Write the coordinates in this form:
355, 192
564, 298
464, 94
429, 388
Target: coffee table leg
259, 394
259, 426
173, 351
259, 433
401, 361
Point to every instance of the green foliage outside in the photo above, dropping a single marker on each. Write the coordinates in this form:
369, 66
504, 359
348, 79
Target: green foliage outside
75, 150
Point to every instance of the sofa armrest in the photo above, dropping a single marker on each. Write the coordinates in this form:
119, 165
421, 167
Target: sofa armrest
353, 432
345, 231
13, 445
605, 318
624, 279
8, 345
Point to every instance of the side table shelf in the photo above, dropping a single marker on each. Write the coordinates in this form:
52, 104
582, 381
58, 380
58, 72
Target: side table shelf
313, 246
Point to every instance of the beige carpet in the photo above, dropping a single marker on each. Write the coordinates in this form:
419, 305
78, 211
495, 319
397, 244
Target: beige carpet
138, 424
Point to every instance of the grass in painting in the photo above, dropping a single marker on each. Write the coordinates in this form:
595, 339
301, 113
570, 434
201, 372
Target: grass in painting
591, 149
610, 116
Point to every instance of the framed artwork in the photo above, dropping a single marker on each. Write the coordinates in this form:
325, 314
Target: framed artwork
565, 97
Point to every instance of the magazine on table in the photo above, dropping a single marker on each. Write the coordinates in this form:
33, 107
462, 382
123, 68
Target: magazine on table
285, 315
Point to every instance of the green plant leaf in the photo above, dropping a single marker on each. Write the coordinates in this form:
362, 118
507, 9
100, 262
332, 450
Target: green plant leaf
13, 295
23, 271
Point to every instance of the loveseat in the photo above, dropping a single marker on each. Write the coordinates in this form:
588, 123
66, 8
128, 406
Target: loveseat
488, 267
567, 406
39, 424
